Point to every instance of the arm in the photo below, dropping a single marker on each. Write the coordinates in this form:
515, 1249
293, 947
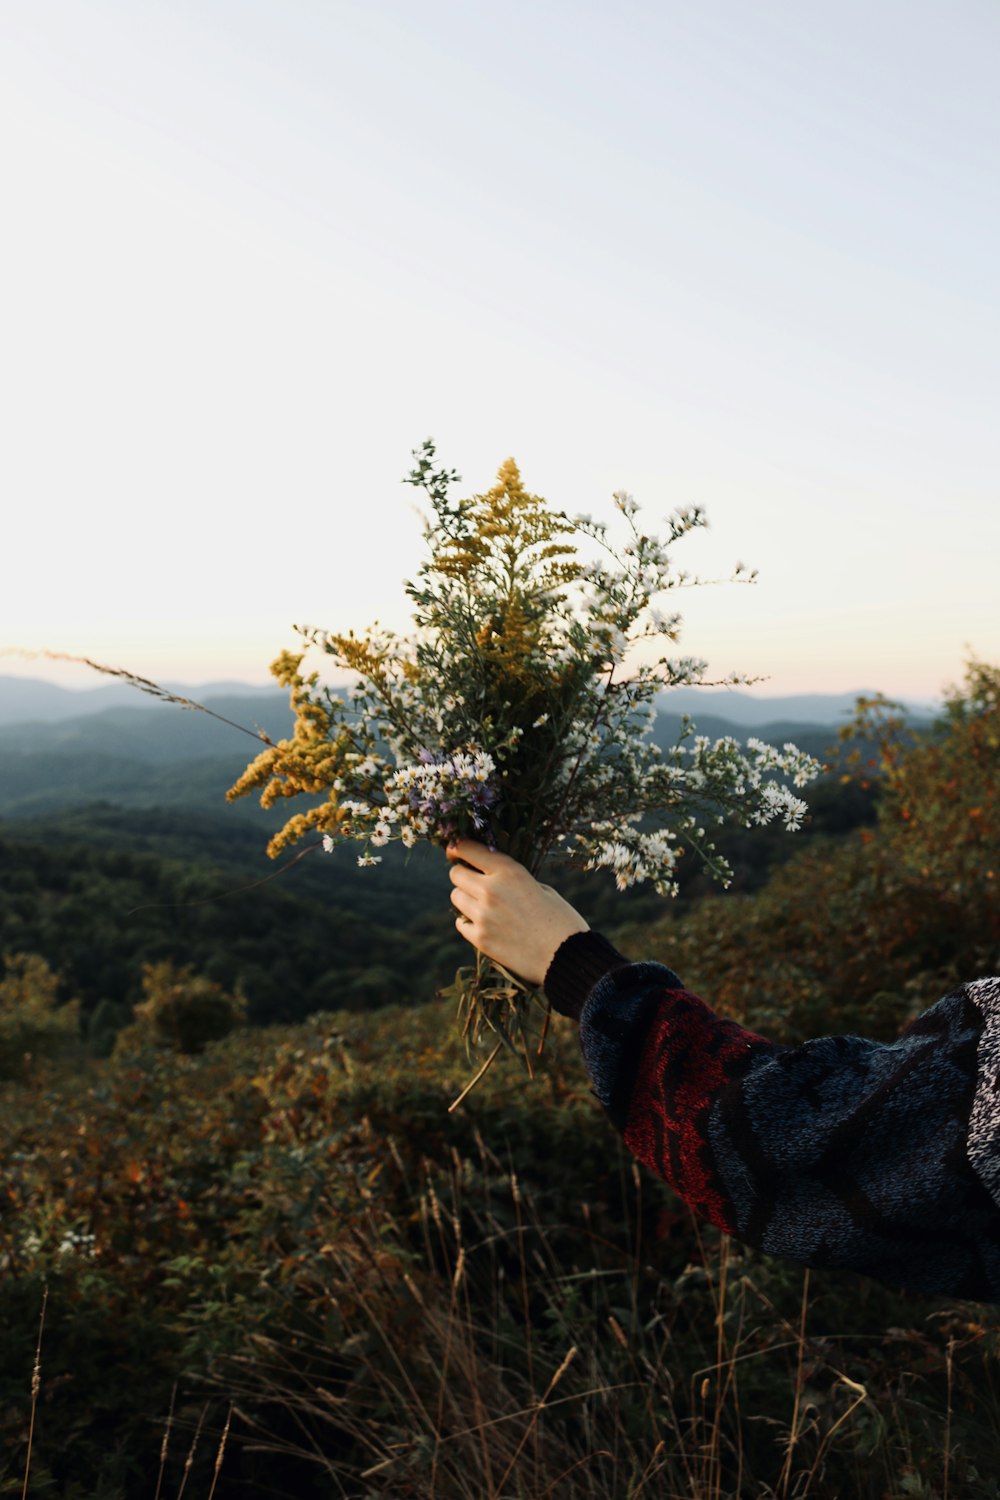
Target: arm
881, 1158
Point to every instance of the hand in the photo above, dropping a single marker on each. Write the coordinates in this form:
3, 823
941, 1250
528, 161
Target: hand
506, 913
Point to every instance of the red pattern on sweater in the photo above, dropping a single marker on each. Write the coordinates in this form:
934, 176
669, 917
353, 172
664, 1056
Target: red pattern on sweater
688, 1056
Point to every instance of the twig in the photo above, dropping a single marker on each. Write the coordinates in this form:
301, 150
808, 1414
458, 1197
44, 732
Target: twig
222, 1449
144, 686
165, 1445
473, 1081
188, 1462
793, 1436
36, 1385
536, 1413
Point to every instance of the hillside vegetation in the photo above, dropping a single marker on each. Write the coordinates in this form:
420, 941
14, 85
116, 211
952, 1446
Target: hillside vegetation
275, 1264
101, 891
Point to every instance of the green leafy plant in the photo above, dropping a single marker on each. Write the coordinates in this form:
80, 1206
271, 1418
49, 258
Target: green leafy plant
182, 1010
33, 1022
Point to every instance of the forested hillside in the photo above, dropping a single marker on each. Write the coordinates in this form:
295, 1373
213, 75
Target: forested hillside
332, 1286
102, 890
159, 755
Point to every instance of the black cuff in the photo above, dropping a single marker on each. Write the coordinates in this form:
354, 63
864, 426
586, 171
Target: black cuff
577, 965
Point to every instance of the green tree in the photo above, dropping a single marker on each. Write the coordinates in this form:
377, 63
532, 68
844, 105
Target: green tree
941, 808
181, 1010
33, 1023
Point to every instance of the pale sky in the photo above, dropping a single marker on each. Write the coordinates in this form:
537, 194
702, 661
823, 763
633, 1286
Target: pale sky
740, 255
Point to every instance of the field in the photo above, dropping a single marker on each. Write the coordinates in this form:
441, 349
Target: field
271, 1262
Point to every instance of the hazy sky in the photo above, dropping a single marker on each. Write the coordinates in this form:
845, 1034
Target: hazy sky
743, 255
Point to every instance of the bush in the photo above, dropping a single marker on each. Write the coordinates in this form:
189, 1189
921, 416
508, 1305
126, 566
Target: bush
33, 1023
181, 1010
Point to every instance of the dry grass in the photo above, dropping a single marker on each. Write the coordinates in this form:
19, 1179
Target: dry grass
477, 1350
486, 1368
141, 684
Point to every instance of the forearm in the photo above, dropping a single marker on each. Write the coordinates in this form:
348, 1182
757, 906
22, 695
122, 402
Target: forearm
660, 1101
841, 1152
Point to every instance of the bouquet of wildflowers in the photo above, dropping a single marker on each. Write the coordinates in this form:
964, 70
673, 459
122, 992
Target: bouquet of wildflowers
508, 715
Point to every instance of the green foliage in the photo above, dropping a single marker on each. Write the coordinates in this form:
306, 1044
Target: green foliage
100, 911
100, 895
33, 1023
941, 805
104, 1023
182, 1010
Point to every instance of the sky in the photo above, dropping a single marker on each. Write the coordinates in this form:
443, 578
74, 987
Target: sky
739, 256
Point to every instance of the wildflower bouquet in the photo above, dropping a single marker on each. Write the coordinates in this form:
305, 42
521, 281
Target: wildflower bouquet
508, 715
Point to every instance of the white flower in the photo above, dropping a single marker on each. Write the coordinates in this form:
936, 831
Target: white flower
542, 719
327, 844
408, 836
369, 859
623, 500
380, 834
75, 1243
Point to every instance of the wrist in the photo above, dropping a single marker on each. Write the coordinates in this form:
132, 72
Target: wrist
577, 964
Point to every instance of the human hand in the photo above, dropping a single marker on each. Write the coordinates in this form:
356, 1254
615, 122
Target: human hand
506, 913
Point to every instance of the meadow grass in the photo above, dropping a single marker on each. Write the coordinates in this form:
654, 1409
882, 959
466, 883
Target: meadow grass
309, 1278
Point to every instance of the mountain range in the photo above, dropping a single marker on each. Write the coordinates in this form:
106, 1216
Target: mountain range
30, 700
62, 749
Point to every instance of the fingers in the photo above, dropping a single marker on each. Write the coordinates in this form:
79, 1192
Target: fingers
466, 879
475, 854
464, 900
465, 921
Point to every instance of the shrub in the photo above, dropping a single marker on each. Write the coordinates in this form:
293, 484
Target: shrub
182, 1010
33, 1023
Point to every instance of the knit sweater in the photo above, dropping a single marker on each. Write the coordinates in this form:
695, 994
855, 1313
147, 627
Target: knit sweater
878, 1157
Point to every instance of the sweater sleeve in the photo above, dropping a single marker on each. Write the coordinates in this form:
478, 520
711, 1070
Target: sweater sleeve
877, 1157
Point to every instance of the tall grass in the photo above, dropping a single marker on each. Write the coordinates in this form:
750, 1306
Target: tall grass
359, 1294
466, 1356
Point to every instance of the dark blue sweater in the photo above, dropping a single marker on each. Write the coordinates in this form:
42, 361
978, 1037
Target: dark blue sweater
878, 1157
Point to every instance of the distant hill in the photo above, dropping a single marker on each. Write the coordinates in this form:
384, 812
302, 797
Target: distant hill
117, 846
26, 699
155, 732
750, 711
157, 755
139, 753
